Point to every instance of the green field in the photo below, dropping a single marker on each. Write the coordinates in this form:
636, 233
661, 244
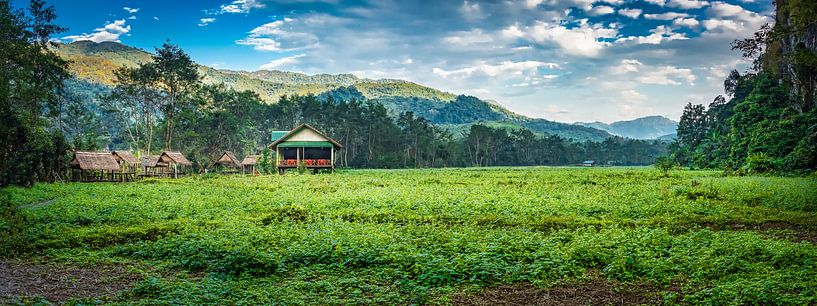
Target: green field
427, 236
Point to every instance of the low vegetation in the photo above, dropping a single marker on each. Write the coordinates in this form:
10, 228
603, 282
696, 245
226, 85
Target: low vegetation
431, 236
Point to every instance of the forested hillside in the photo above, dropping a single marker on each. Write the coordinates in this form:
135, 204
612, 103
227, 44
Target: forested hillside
650, 127
767, 120
96, 63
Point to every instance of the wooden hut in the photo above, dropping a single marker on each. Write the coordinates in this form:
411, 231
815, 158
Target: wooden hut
167, 164
249, 162
177, 164
153, 166
128, 166
93, 166
304, 145
228, 163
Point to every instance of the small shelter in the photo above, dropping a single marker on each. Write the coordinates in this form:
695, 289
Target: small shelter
93, 166
177, 164
228, 162
128, 165
589, 163
249, 162
153, 166
304, 145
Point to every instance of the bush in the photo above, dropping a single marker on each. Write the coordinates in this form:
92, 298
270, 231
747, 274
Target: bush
759, 163
665, 164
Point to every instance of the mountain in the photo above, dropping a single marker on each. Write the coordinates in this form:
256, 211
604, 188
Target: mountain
93, 65
650, 127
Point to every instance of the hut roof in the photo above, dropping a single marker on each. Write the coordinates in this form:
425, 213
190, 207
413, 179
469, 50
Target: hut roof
298, 129
175, 157
229, 159
250, 160
94, 161
151, 161
125, 156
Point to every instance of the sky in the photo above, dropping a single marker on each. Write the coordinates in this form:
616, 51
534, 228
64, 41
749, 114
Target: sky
575, 60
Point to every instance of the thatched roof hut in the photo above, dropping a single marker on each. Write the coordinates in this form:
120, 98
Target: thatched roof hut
250, 160
175, 158
125, 156
85, 160
228, 159
152, 161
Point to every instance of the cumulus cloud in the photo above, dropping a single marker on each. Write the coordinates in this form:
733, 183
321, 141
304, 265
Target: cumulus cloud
284, 61
240, 6
685, 22
289, 34
110, 32
657, 75
732, 20
583, 40
684, 4
131, 10
504, 68
599, 10
666, 16
632, 13
657, 35
205, 21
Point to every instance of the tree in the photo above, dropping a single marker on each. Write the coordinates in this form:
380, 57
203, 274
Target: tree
177, 76
31, 78
665, 164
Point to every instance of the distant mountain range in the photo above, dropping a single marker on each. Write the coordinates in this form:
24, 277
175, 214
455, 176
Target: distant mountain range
93, 65
650, 127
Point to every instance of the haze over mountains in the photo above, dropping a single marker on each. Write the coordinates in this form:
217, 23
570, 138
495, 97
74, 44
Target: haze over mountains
94, 63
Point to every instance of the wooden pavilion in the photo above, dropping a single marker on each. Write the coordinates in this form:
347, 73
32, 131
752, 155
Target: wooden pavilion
304, 145
228, 163
167, 164
249, 162
128, 166
93, 166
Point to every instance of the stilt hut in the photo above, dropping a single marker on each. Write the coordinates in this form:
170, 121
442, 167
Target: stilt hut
304, 145
128, 166
152, 166
177, 164
248, 164
228, 163
93, 166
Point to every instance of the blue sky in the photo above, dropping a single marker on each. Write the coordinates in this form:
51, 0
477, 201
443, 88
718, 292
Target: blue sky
576, 60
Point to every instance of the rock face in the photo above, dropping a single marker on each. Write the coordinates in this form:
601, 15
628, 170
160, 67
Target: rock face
796, 25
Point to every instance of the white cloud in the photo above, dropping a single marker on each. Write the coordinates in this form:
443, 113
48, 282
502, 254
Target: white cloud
132, 18
131, 10
685, 22
240, 6
666, 16
205, 21
277, 63
647, 74
632, 13
658, 35
471, 11
732, 20
290, 34
631, 95
504, 68
155, 18
109, 32
472, 37
599, 10
583, 40
687, 4
657, 2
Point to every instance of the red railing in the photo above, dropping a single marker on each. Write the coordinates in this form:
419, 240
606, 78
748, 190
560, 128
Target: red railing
307, 162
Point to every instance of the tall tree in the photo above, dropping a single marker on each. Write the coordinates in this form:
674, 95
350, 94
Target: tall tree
31, 78
178, 76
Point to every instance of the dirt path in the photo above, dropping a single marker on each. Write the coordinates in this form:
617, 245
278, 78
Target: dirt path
61, 282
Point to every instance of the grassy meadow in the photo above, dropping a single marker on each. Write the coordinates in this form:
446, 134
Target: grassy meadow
432, 236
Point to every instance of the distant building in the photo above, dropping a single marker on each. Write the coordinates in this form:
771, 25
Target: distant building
304, 145
589, 163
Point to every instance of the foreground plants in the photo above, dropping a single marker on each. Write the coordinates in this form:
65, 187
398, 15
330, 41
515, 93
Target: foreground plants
427, 236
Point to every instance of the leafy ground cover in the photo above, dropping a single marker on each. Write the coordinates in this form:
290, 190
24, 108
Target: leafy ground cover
430, 236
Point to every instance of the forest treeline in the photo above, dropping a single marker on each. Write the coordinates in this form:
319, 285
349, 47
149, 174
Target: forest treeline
767, 120
164, 105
